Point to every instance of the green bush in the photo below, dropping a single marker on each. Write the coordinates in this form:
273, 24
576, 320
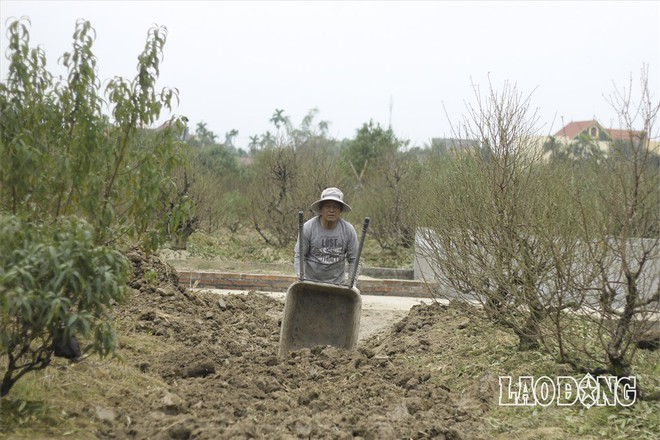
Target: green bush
54, 279
62, 155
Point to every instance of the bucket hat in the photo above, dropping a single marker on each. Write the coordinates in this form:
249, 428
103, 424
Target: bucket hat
333, 194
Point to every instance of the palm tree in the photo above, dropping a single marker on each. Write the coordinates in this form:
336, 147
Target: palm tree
206, 136
278, 118
254, 143
229, 137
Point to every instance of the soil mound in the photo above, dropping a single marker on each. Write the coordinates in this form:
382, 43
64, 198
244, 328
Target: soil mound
217, 355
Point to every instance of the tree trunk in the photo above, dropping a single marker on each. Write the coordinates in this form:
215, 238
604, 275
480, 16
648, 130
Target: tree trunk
7, 382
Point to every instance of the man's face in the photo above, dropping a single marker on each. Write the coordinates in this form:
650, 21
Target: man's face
330, 211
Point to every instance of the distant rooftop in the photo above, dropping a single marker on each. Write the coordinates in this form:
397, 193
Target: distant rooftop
573, 129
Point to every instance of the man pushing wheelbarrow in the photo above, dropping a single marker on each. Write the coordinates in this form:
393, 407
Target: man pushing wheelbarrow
323, 307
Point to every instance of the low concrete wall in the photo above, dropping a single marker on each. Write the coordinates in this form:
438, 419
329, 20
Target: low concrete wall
425, 269
280, 283
385, 273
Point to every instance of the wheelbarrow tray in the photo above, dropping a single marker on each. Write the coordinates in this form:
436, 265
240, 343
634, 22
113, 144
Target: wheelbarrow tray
320, 314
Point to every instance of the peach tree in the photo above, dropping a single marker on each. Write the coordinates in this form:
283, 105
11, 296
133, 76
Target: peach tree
54, 281
83, 174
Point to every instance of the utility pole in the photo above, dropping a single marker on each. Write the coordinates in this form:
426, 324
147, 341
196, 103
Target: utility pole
390, 119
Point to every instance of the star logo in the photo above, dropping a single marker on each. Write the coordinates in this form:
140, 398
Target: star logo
588, 391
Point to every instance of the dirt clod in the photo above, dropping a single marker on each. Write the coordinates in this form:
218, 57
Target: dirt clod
217, 356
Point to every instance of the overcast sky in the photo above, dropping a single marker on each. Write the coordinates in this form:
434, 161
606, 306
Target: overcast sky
402, 63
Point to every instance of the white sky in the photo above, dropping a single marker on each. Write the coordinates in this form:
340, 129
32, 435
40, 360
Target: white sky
234, 63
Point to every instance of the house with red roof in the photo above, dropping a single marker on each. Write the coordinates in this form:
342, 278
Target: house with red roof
595, 131
596, 134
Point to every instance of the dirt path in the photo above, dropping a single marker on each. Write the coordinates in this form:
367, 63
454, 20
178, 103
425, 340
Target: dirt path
380, 314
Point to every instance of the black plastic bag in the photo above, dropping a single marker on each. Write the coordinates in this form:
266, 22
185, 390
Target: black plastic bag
66, 348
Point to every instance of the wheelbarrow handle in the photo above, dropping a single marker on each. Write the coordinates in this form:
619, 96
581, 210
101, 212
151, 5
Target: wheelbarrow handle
357, 260
301, 221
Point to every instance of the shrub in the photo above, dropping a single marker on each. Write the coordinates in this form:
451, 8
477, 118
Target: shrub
54, 280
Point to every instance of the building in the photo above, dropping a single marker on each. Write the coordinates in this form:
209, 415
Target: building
594, 133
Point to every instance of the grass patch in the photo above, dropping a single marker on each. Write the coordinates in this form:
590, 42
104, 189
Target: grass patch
247, 246
640, 421
470, 353
71, 399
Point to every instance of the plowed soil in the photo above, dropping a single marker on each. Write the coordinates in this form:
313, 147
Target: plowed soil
225, 380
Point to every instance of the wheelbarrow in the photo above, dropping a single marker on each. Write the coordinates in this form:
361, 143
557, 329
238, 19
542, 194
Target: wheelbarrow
321, 313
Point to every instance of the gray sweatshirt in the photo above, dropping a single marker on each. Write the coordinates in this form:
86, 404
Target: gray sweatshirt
326, 251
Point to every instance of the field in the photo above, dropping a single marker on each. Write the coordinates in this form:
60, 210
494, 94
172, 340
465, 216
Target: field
195, 364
